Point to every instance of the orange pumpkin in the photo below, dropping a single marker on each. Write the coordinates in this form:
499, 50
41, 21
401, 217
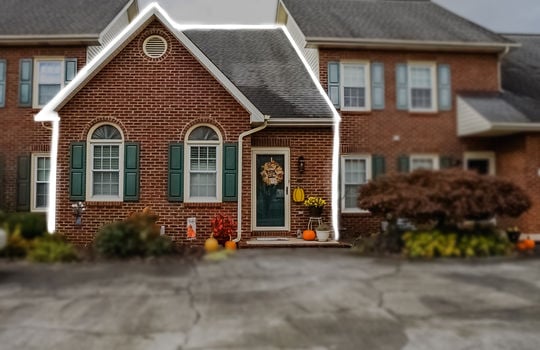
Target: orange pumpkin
211, 245
309, 235
522, 246
230, 245
529, 243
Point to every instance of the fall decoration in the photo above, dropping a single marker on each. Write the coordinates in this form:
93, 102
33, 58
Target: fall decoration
272, 173
315, 202
309, 235
230, 244
529, 243
298, 195
223, 228
211, 245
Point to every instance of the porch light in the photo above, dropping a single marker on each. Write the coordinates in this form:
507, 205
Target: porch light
301, 164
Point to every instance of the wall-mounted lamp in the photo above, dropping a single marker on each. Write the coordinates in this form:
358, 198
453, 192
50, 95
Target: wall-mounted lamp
301, 164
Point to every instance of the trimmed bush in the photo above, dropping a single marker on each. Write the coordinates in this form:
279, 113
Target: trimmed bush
31, 225
17, 246
51, 249
138, 235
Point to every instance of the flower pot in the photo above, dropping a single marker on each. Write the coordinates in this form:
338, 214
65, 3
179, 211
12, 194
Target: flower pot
513, 236
315, 212
322, 236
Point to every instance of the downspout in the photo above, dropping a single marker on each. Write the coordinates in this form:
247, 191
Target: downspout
499, 65
240, 164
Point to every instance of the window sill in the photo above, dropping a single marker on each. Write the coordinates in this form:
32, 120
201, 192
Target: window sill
356, 213
217, 205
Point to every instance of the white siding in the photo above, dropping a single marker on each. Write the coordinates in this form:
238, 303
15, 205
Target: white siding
108, 35
311, 55
469, 121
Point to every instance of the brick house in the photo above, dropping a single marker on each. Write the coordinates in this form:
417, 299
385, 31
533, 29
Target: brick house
42, 46
420, 87
186, 120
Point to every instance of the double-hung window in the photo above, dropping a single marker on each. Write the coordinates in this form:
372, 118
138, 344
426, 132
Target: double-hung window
355, 171
422, 90
106, 163
355, 86
424, 161
203, 161
50, 75
41, 167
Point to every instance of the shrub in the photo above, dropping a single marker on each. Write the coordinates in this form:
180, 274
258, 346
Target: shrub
437, 243
17, 246
447, 197
138, 235
31, 225
50, 249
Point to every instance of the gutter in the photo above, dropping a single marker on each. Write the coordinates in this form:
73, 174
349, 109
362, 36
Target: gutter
240, 164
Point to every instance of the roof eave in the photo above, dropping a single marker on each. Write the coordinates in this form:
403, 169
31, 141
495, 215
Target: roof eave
329, 42
301, 122
46, 39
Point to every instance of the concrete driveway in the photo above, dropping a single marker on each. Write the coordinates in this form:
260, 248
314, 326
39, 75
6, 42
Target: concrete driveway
272, 299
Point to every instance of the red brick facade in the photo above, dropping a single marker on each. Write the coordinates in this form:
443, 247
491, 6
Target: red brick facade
20, 135
155, 102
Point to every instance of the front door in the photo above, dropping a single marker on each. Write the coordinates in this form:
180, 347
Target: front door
270, 189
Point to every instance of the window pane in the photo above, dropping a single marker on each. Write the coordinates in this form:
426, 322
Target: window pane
50, 72
42, 194
47, 92
106, 183
421, 98
421, 77
353, 76
422, 163
203, 185
203, 133
354, 97
351, 195
354, 91
106, 132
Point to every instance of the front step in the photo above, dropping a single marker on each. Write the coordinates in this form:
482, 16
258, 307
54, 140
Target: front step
289, 242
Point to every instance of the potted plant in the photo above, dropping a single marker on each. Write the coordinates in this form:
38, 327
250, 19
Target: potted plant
223, 228
323, 232
513, 234
315, 206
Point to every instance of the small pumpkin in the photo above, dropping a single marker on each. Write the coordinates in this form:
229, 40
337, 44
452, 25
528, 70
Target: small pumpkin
211, 245
309, 235
529, 243
522, 246
230, 244
298, 195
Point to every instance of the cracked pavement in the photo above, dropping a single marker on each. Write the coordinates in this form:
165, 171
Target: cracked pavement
272, 299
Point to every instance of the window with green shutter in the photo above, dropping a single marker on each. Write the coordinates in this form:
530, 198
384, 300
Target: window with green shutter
77, 171
131, 171
403, 164
230, 172
378, 166
23, 183
176, 172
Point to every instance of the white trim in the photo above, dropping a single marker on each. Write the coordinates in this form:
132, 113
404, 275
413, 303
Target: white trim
301, 122
286, 183
133, 29
116, 18
419, 156
367, 84
33, 179
35, 78
369, 175
481, 155
432, 66
219, 165
90, 161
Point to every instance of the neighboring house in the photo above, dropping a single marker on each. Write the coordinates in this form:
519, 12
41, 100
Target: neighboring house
420, 87
192, 123
42, 46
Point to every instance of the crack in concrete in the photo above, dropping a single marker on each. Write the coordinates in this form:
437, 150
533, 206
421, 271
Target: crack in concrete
192, 305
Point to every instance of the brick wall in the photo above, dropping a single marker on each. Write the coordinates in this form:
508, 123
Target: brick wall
19, 134
374, 132
155, 102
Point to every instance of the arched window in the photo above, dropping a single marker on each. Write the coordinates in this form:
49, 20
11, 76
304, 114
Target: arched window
203, 158
105, 163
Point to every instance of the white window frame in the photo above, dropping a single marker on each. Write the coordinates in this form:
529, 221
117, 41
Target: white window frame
35, 78
434, 157
432, 66
33, 179
90, 165
187, 164
369, 174
367, 82
481, 155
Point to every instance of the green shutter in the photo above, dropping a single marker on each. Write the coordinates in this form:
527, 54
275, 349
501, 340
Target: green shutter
377, 85
230, 172
23, 183
446, 162
333, 83
2, 176
378, 166
70, 69
2, 83
403, 164
25, 82
131, 171
176, 172
402, 87
445, 87
77, 171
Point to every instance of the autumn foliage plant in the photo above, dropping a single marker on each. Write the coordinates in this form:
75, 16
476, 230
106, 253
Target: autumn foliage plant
223, 228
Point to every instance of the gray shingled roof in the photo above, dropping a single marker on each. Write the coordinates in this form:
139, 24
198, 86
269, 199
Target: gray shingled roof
521, 67
265, 68
504, 107
57, 17
416, 20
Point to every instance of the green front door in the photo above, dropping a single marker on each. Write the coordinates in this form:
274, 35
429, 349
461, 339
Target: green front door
270, 177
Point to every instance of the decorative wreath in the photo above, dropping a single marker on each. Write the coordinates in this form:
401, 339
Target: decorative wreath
272, 173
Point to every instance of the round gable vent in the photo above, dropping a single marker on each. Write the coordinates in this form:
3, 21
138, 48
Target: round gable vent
155, 46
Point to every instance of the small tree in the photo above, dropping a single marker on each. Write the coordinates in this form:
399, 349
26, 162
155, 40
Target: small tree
447, 197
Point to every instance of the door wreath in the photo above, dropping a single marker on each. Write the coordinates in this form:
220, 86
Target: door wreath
272, 173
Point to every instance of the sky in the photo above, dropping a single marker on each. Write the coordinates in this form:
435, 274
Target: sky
502, 16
